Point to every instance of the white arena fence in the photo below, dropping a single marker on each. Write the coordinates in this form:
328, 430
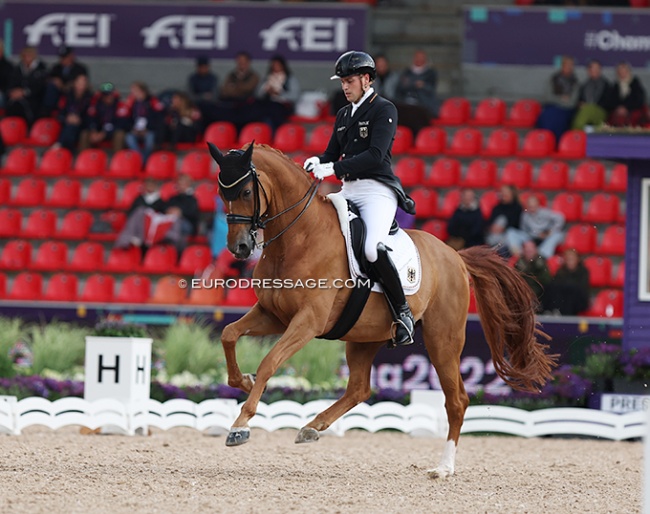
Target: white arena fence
424, 417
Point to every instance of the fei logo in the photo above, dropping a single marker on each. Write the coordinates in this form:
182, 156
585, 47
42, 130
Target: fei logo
188, 32
308, 34
79, 30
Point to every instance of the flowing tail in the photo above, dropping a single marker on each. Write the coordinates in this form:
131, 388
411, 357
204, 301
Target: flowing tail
506, 305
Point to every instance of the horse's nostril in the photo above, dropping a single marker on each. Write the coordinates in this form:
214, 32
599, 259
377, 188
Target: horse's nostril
243, 248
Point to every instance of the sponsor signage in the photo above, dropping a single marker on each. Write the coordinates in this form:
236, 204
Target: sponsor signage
622, 403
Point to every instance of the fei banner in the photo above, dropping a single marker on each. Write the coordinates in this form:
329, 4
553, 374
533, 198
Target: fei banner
539, 36
299, 32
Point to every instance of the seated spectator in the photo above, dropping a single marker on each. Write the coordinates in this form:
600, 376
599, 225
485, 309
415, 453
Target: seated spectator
182, 123
104, 123
27, 86
561, 97
506, 214
540, 225
568, 292
73, 113
6, 71
593, 99
466, 225
149, 198
278, 93
534, 269
185, 205
385, 83
415, 95
219, 231
143, 113
61, 77
240, 83
628, 99
202, 84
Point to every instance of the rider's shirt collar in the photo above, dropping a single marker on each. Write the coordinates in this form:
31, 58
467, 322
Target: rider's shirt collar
355, 106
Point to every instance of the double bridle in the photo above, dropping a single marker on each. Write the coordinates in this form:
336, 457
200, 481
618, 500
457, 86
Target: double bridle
259, 220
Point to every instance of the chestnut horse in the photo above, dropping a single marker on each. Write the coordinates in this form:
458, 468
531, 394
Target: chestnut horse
303, 240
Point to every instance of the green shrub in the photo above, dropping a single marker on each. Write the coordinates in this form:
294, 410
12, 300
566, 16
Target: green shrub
110, 328
190, 347
58, 347
11, 332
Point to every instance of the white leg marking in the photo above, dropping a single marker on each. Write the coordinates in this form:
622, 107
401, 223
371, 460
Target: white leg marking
447, 462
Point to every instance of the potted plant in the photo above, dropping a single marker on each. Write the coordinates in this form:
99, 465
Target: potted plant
635, 365
602, 365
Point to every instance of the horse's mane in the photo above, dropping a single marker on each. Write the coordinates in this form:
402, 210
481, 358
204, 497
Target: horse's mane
283, 157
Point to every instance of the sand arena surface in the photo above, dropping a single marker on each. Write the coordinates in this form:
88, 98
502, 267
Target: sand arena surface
181, 471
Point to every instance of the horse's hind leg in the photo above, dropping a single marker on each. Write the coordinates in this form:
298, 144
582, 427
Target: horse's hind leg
359, 357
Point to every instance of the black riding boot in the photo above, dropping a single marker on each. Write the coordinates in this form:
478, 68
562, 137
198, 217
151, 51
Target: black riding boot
388, 277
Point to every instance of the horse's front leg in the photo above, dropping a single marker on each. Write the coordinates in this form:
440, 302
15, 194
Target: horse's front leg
302, 329
256, 322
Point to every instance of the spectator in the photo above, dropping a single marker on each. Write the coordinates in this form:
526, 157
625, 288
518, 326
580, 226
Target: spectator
386, 81
202, 84
534, 269
61, 77
219, 232
505, 215
278, 93
149, 198
593, 98
104, 124
240, 84
73, 113
568, 292
540, 225
6, 71
186, 204
27, 86
628, 99
143, 112
466, 225
415, 95
182, 120
561, 97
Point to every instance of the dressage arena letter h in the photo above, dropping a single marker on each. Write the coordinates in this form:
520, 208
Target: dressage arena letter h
115, 369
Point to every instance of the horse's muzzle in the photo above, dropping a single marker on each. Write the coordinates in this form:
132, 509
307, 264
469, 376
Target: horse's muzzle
242, 249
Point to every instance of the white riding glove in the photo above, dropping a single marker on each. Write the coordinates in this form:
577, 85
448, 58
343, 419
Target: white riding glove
323, 170
311, 163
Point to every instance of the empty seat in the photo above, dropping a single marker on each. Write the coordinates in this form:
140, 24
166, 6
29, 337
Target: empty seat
3, 286
554, 262
27, 286
13, 130
289, 137
608, 303
538, 143
445, 172
581, 238
167, 291
450, 202
410, 171
159, 259
241, 297
206, 296
618, 280
44, 132
612, 241
75, 225
552, 175
20, 161
161, 165
116, 221
223, 134
16, 254
205, 196
51, 256
88, 256
41, 224
168, 189
517, 173
454, 111
430, 141
123, 261
134, 289
572, 145
589, 176
98, 288
10, 223
600, 271
569, 204
256, 131
194, 259
617, 182
403, 141
540, 195
481, 174
197, 165
466, 141
436, 227
318, 139
129, 193
125, 164
100, 195
62, 287
523, 113
426, 202
487, 202
602, 208
65, 194
501, 143
90, 163
489, 112
29, 193
5, 191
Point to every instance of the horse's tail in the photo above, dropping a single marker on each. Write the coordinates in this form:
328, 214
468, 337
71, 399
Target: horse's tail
506, 305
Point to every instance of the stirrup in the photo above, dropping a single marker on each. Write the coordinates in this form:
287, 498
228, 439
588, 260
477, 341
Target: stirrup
405, 339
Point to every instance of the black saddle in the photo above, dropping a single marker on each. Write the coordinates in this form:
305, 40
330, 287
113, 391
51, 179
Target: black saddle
358, 237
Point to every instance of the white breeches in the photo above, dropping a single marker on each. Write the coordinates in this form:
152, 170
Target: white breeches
377, 204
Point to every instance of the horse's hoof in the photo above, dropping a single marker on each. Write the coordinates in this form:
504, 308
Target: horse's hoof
441, 472
238, 436
307, 435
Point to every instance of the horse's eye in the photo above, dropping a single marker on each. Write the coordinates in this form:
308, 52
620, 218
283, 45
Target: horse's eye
246, 193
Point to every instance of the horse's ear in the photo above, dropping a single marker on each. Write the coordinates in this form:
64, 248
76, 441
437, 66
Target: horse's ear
215, 153
248, 154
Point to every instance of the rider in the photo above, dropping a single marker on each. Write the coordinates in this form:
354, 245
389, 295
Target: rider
362, 138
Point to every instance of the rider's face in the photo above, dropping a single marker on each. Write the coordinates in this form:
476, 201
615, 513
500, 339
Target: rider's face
355, 87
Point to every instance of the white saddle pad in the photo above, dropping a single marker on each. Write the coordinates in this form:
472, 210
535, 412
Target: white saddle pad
404, 253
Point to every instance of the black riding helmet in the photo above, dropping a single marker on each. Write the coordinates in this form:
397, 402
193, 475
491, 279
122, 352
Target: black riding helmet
354, 63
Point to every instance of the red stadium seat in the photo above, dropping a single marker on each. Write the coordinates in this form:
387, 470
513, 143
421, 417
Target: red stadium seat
161, 165
61, 287
410, 171
538, 143
41, 224
223, 134
125, 164
581, 238
10, 223
134, 289
552, 175
618, 280
403, 141
5, 191
115, 220
430, 141
197, 165
91, 162
445, 172
168, 190
426, 201
589, 176
123, 261
20, 161
454, 111
16, 255
289, 138
98, 288
13, 130
501, 143
466, 142
87, 257
129, 193
517, 173
449, 203
3, 286
44, 132
318, 139
554, 262
541, 197
480, 174
569, 204
572, 145
100, 195
194, 259
523, 114
51, 256
600, 271
65, 194
602, 208
27, 286
489, 112
168, 292
159, 259
206, 296
241, 297
205, 195
487, 202
617, 179
436, 227
256, 131
75, 225
613, 241
607, 304
29, 193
